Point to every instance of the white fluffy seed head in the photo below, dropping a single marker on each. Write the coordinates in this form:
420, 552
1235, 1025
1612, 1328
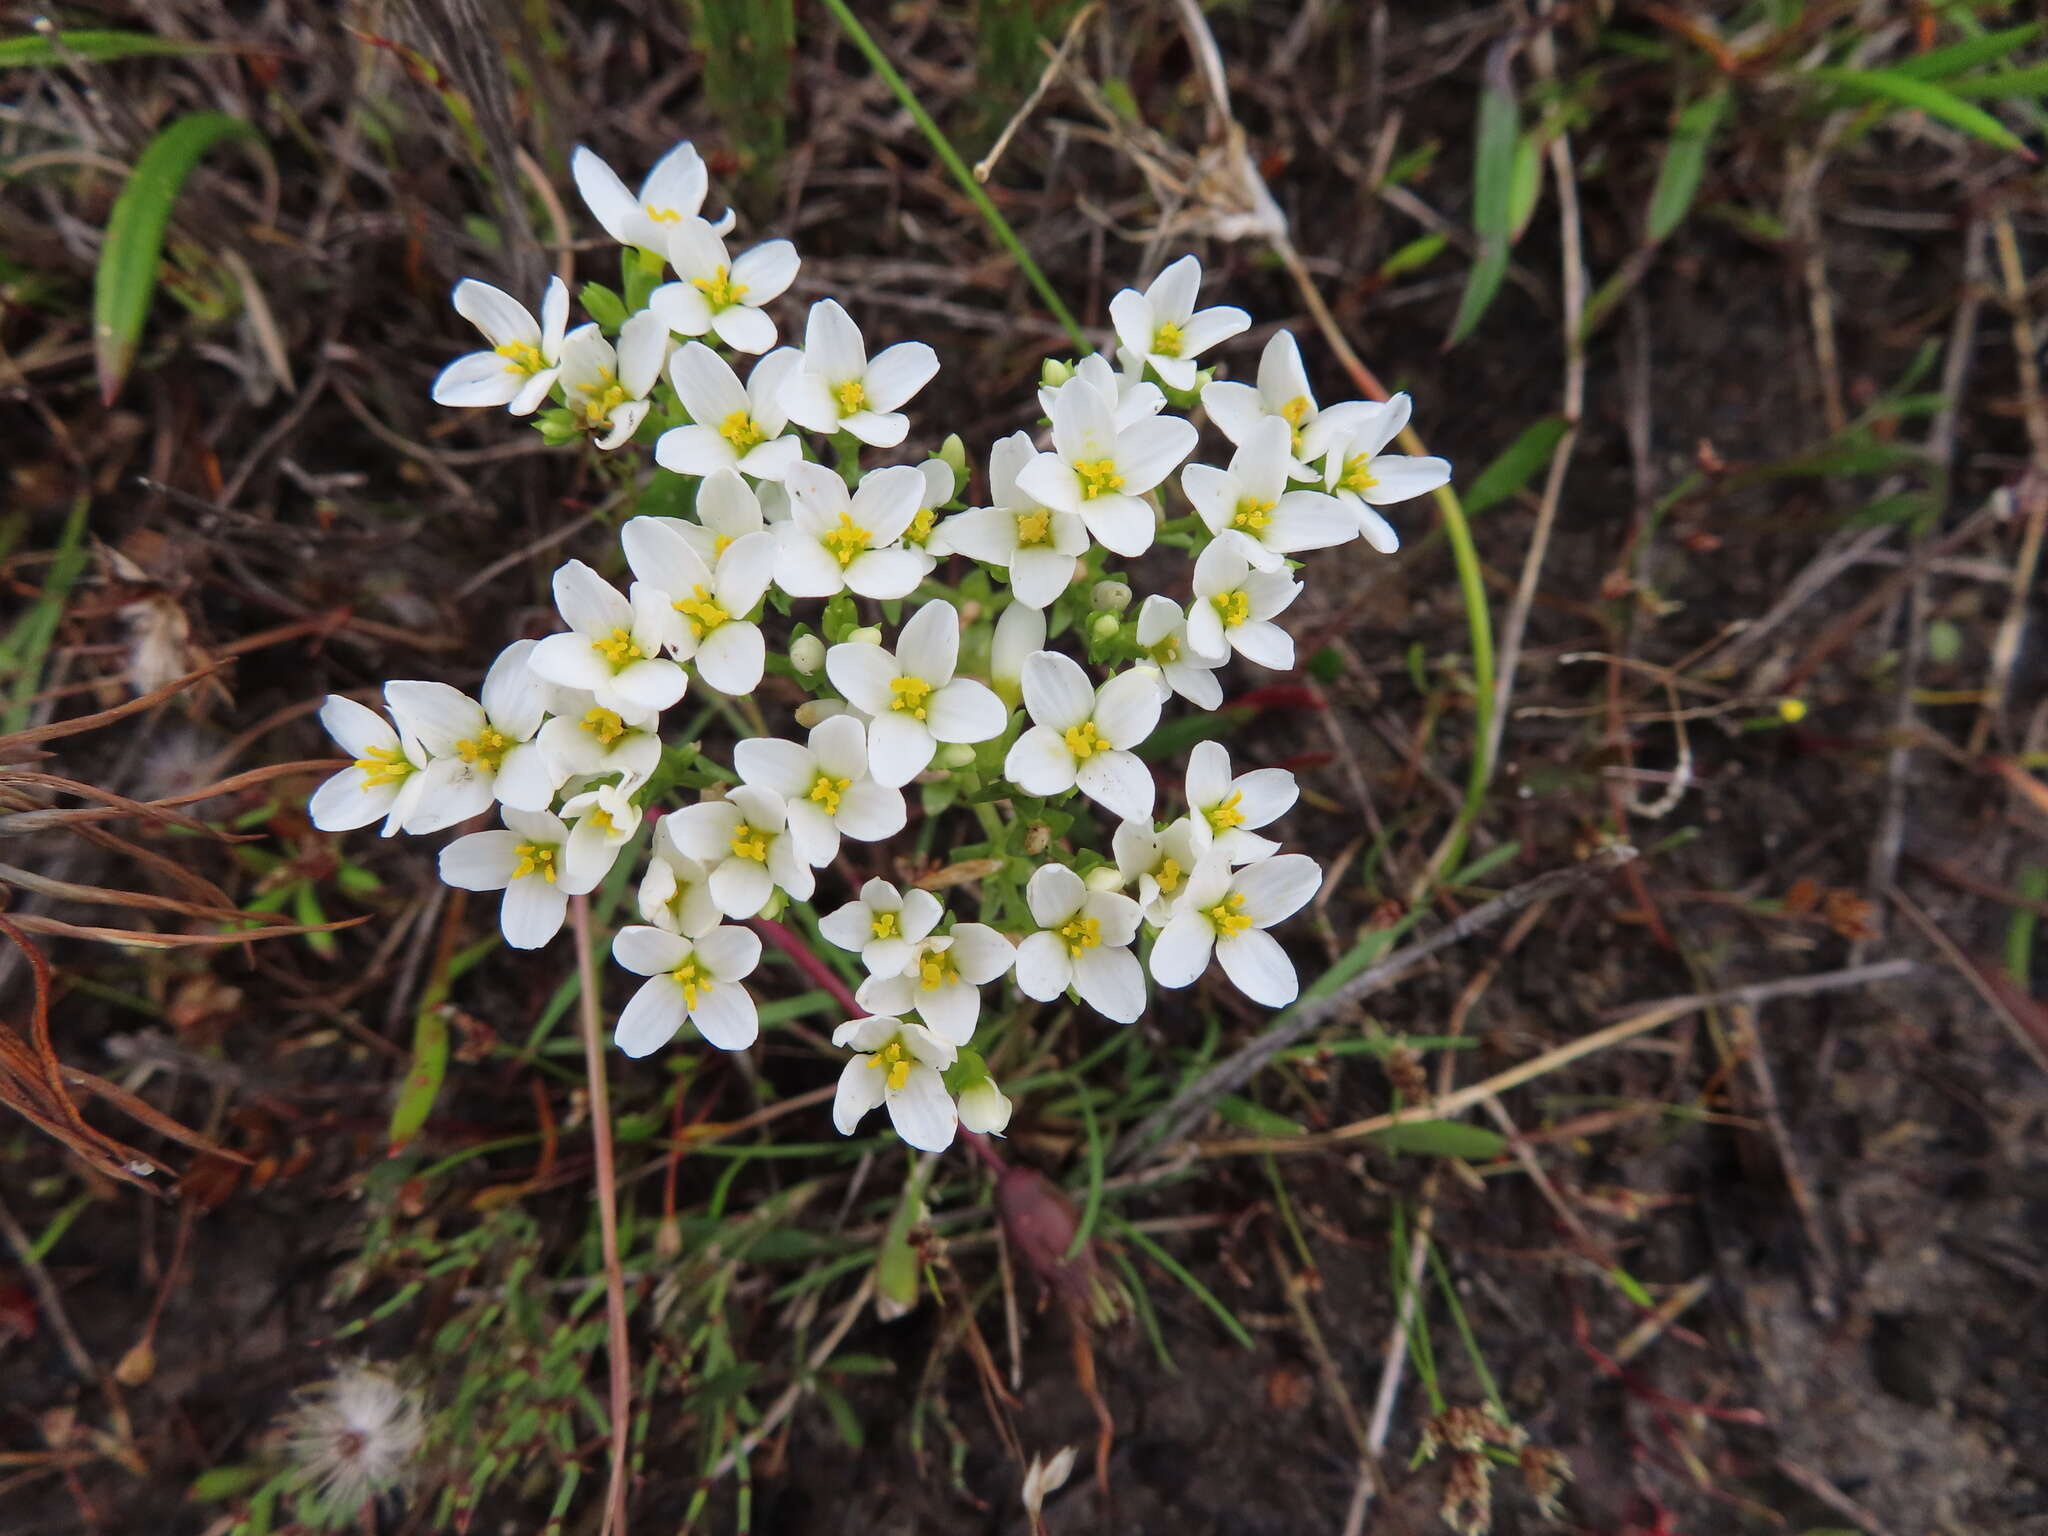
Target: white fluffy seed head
356, 1436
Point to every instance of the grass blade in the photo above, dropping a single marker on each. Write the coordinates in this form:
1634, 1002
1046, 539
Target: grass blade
1516, 466
1939, 63
1685, 160
1493, 192
126, 279
1888, 85
40, 51
2029, 81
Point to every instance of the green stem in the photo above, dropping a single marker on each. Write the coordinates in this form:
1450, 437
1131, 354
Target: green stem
1479, 623
858, 34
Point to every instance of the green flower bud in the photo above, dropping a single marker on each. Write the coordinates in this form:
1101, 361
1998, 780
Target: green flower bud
870, 634
1110, 596
1052, 373
1104, 877
1105, 626
956, 755
954, 452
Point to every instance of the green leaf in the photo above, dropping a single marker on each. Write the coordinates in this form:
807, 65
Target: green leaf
1256, 1117
126, 279
1443, 1138
604, 306
422, 1084
1685, 159
35, 51
1493, 192
1527, 184
1516, 467
1969, 54
1413, 256
2031, 80
1888, 85
217, 1483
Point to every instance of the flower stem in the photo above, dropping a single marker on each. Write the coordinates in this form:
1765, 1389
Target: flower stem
817, 970
997, 224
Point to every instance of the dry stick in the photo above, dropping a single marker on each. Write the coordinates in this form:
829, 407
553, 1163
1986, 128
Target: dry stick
1973, 974
1833, 1497
607, 1217
1789, 1162
1055, 60
1645, 1019
47, 1293
1167, 1126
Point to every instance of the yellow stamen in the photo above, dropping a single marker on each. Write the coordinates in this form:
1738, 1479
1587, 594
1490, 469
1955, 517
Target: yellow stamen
662, 215
382, 766
1234, 608
852, 396
703, 613
1034, 529
1358, 477
893, 1061
1166, 341
907, 695
534, 859
1253, 514
1080, 933
618, 648
601, 819
1084, 741
750, 843
522, 355
739, 430
1098, 478
1225, 813
884, 925
488, 747
719, 290
1296, 413
599, 404
1169, 875
936, 969
920, 528
825, 793
847, 541
693, 979
1167, 651
1227, 917
719, 545
604, 724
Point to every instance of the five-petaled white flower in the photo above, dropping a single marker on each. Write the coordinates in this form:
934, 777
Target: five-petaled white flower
1035, 544
841, 389
476, 753
711, 607
613, 648
1228, 912
942, 982
1250, 504
606, 387
1160, 861
1102, 470
728, 509
528, 860
883, 925
915, 699
384, 780
732, 426
695, 979
675, 892
744, 841
1363, 477
898, 1064
584, 740
835, 540
718, 294
1083, 942
826, 786
1081, 735
1134, 396
1162, 327
1233, 608
601, 821
1224, 809
673, 191
525, 354
1163, 633
1283, 391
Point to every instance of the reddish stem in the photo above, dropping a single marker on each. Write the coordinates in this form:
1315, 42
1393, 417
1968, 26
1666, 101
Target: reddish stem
821, 973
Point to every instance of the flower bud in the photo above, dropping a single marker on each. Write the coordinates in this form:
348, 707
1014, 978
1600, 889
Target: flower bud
1037, 838
1019, 632
807, 654
1052, 373
772, 908
813, 711
1105, 626
954, 452
1110, 597
1104, 877
957, 755
870, 634
984, 1108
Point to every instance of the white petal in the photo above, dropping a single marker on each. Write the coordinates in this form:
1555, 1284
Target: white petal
1057, 691
922, 1111
1260, 968
981, 953
899, 747
1150, 450
649, 1021
1181, 953
648, 951
899, 372
744, 329
732, 657
741, 887
869, 812
502, 318
1125, 524
928, 646
345, 802
356, 728
884, 574
1127, 708
1054, 894
478, 379
1111, 981
860, 1090
605, 195
1119, 783
965, 711
767, 270
482, 861
726, 1016
1278, 888
532, 912
1039, 763
863, 673
1044, 970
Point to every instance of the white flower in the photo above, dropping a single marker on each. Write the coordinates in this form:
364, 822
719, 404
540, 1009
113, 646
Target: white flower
984, 1108
1362, 477
943, 980
898, 1065
731, 426
915, 699
840, 389
1162, 327
1163, 632
1234, 605
675, 891
1229, 912
744, 841
924, 532
1134, 396
711, 608
1160, 861
1225, 809
674, 190
1283, 392
695, 979
601, 821
1035, 544
1081, 735
1102, 469
606, 386
1083, 942
718, 294
613, 649
476, 753
826, 785
584, 740
1020, 635
835, 540
519, 369
728, 509
1249, 503
384, 780
883, 926
529, 862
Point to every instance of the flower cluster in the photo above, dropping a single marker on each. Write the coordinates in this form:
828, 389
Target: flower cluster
1084, 890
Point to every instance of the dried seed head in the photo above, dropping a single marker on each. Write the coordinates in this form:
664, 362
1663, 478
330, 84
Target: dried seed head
1545, 1472
1468, 1495
355, 1436
1404, 1071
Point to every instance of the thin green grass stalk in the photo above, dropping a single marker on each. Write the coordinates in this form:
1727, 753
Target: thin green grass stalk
1175, 1268
1093, 1204
1479, 627
998, 225
28, 644
1464, 1327
1287, 1213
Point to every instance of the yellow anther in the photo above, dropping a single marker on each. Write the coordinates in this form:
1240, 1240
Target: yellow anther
1079, 933
852, 396
750, 843
1084, 741
1358, 477
1034, 529
825, 793
719, 290
382, 766
662, 215
739, 430
604, 724
1296, 411
1166, 341
618, 648
599, 404
719, 545
1233, 608
1253, 514
601, 819
522, 355
884, 925
1791, 711
693, 979
920, 528
894, 1062
908, 695
1166, 652
1227, 917
936, 969
534, 859
703, 613
847, 541
1169, 875
488, 746
1098, 478
1225, 813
